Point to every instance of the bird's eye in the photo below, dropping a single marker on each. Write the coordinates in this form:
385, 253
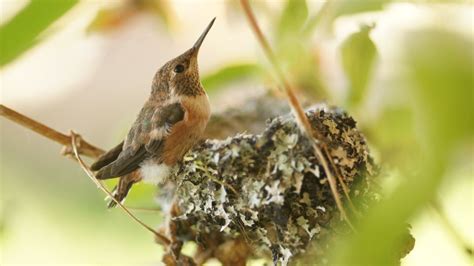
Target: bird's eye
179, 68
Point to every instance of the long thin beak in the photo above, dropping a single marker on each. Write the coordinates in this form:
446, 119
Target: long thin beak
203, 35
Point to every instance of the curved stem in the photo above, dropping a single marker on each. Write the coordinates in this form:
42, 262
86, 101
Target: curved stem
296, 108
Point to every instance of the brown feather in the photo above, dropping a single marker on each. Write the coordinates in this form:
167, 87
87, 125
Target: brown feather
107, 157
186, 133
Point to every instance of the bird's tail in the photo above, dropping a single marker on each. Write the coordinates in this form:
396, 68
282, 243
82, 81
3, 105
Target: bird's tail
107, 157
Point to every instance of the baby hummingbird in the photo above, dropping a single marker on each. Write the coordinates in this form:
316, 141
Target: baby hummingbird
172, 121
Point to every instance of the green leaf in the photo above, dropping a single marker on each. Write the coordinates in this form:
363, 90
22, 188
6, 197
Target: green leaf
230, 73
358, 56
111, 18
393, 134
22, 31
349, 7
439, 67
335, 9
315, 19
292, 19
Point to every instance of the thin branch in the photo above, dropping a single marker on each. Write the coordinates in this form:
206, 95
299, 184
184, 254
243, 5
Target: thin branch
332, 184
296, 107
56, 136
141, 209
74, 139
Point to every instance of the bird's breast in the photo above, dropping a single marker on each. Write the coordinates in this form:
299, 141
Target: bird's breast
186, 133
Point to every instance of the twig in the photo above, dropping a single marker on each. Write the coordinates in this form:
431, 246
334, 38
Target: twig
450, 227
74, 138
141, 209
296, 107
84, 147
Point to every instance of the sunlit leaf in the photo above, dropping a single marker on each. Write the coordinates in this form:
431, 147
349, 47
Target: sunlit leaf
348, 7
230, 73
111, 18
297, 55
439, 65
292, 19
22, 31
393, 134
442, 65
334, 9
358, 56
315, 20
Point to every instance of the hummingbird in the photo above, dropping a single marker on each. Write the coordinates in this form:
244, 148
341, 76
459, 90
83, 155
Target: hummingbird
170, 123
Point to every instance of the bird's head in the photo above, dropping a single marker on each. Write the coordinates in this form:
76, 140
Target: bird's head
180, 75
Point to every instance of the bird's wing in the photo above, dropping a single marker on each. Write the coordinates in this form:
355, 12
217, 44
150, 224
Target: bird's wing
107, 157
144, 140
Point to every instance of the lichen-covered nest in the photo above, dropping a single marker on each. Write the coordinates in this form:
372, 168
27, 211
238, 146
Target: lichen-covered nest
270, 189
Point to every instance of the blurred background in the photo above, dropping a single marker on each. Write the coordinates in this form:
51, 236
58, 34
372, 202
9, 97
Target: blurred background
404, 70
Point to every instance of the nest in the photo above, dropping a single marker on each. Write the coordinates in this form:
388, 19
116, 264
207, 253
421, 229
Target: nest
269, 190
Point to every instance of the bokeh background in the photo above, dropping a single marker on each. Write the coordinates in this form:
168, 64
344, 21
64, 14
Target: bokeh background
404, 70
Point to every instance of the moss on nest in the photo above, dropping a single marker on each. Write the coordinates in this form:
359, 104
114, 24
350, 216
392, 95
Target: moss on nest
269, 188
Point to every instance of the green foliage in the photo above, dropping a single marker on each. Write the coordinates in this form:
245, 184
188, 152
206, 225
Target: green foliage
393, 135
358, 54
440, 67
442, 64
230, 73
111, 18
21, 33
295, 51
292, 19
289, 42
349, 7
331, 10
